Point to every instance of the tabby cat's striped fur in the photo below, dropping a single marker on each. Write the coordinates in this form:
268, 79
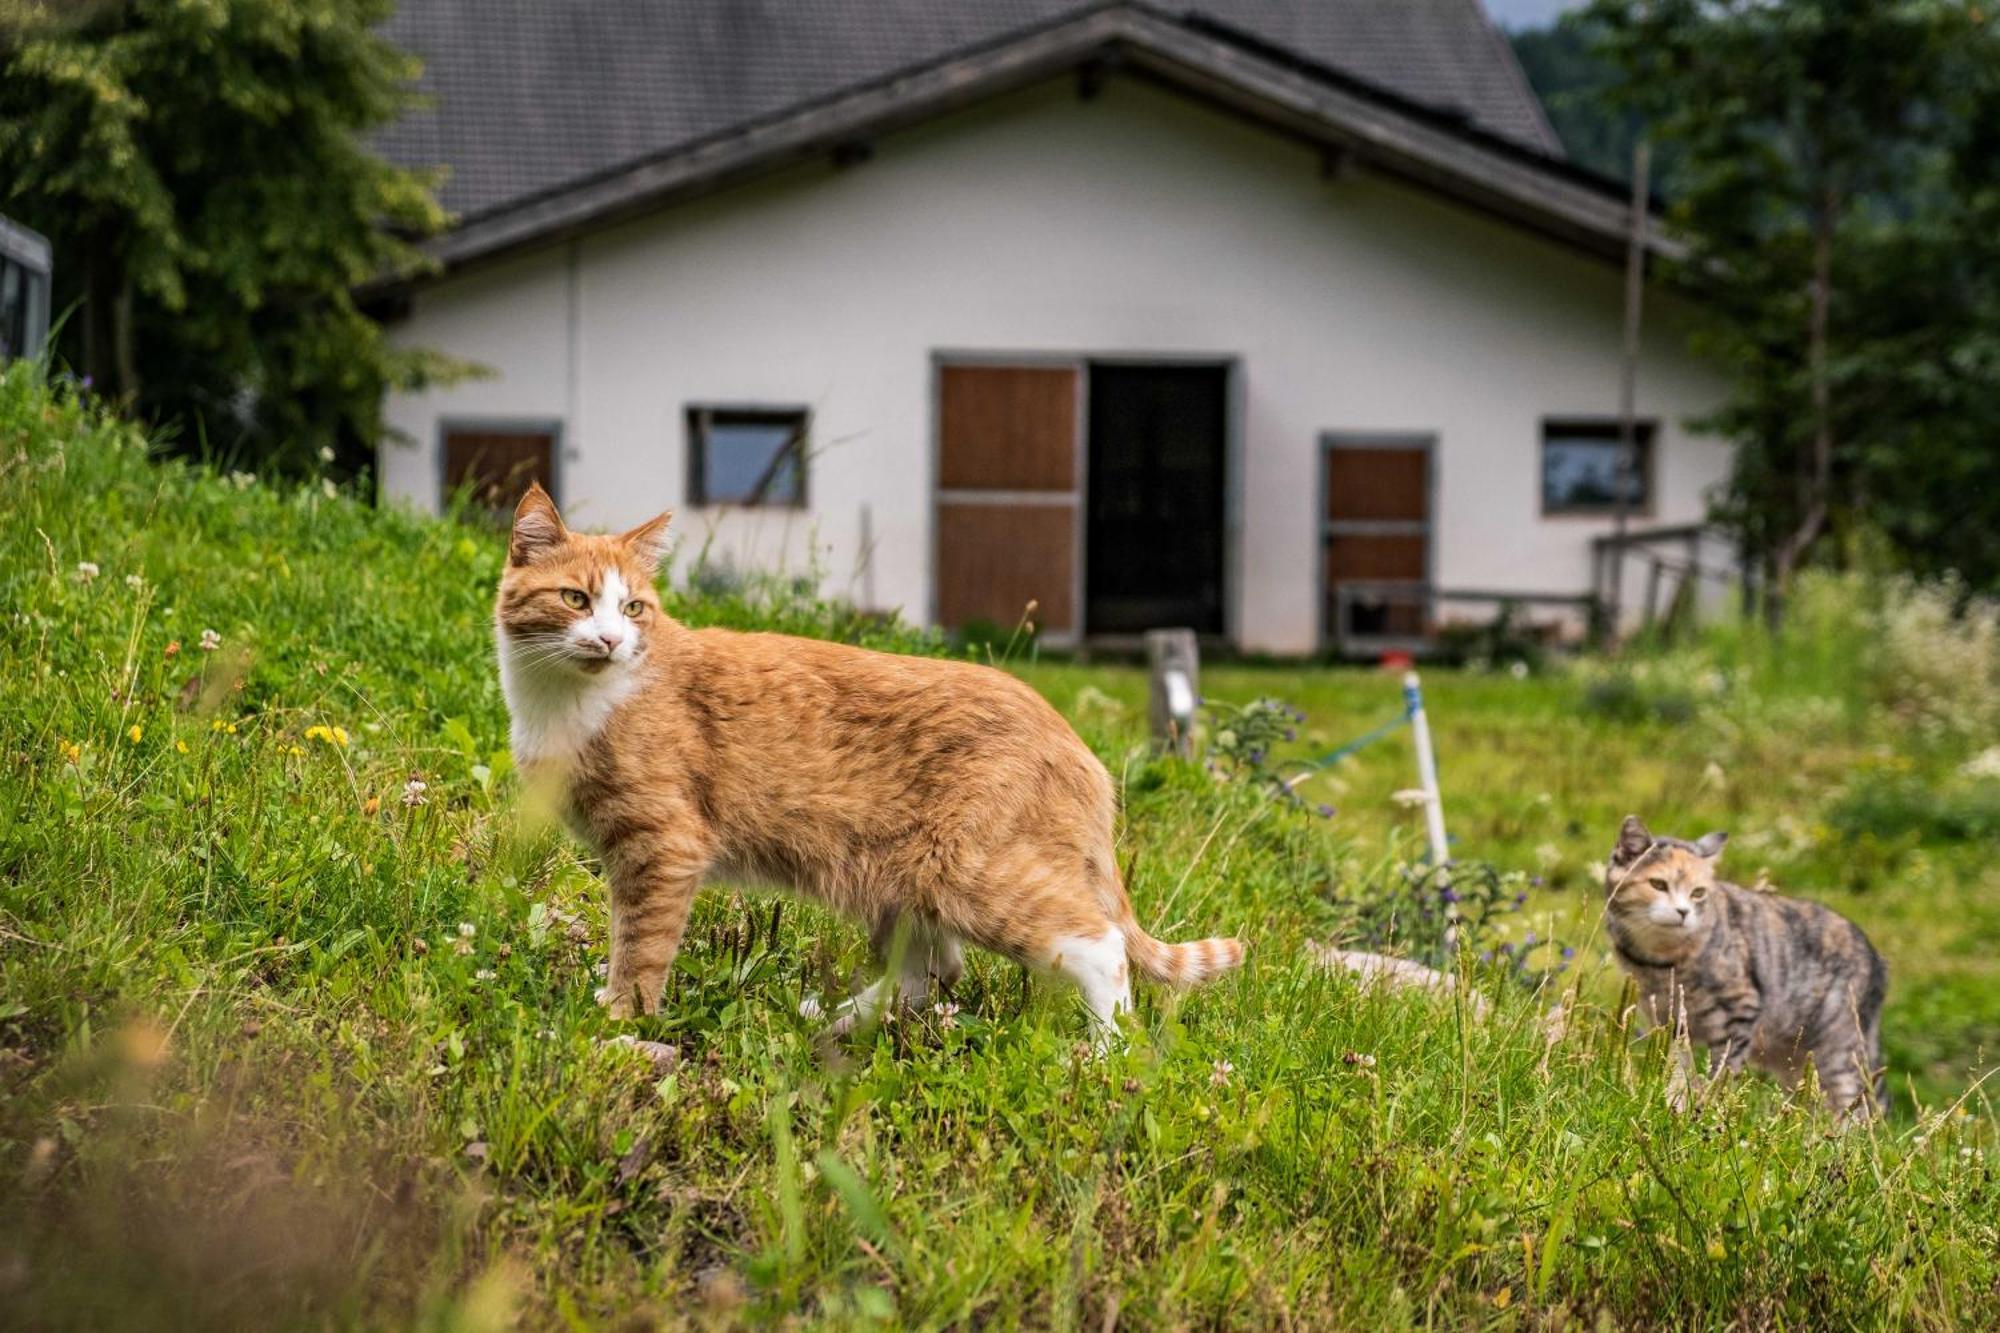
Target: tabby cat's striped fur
1757, 978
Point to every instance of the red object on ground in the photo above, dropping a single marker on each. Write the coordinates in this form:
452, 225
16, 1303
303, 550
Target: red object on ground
1397, 661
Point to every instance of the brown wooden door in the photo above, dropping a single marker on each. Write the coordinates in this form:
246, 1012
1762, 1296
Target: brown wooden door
497, 463
1007, 499
1377, 541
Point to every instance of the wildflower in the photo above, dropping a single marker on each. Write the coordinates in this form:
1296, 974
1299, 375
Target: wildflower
137, 733
371, 805
242, 481
947, 1013
1519, 671
326, 453
1411, 798
1357, 1060
86, 570
210, 640
1449, 895
72, 752
180, 747
173, 649
227, 728
483, 974
413, 792
328, 489
334, 736
1326, 812
467, 930
134, 582
1219, 1072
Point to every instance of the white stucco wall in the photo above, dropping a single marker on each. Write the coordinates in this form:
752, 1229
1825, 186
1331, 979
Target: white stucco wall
1133, 224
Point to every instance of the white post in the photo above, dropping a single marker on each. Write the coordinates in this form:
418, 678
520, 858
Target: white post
1427, 780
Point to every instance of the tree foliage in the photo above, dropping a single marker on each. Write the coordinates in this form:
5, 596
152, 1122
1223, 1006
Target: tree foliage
1836, 186
203, 169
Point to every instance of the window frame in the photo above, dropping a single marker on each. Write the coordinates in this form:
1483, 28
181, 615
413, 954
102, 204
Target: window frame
1646, 436
700, 418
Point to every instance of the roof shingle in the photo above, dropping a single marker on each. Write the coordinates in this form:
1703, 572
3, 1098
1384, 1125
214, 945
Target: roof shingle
526, 96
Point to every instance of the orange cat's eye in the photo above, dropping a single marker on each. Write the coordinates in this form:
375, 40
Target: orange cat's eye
1659, 884
575, 600
635, 608
1699, 892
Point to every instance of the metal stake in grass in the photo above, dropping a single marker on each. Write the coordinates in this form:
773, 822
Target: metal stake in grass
1427, 781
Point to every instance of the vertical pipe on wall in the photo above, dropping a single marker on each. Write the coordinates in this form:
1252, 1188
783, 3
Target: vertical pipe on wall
1628, 376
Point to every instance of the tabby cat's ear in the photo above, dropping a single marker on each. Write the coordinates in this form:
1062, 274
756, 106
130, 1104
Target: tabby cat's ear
538, 528
1710, 845
648, 540
1633, 841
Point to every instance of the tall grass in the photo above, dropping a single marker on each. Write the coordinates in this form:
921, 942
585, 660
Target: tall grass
296, 1027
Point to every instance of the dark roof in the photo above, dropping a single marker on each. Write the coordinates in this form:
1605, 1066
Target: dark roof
530, 95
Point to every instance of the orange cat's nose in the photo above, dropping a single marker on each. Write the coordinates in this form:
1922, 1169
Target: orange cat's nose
610, 641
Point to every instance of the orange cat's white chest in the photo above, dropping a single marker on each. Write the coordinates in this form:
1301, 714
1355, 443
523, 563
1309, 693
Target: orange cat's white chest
552, 716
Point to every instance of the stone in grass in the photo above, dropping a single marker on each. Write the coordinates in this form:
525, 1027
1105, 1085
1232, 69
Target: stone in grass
665, 1059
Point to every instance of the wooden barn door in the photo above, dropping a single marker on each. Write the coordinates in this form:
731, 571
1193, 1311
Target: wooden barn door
1008, 496
1377, 534
497, 463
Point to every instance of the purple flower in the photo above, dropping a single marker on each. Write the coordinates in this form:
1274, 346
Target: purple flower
1528, 939
1520, 899
1291, 735
88, 381
1486, 956
1568, 953
1326, 812
1537, 881
1448, 895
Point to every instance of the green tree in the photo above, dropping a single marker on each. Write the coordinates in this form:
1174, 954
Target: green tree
1830, 185
203, 169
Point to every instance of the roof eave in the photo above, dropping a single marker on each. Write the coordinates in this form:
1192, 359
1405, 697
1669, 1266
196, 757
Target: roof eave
1546, 198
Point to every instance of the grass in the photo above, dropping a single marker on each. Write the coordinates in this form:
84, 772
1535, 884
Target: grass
288, 1040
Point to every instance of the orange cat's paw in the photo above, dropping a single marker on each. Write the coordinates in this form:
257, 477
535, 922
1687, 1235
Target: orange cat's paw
619, 1007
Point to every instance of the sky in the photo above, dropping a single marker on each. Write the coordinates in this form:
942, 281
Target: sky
1527, 13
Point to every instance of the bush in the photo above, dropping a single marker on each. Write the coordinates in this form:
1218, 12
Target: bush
1889, 806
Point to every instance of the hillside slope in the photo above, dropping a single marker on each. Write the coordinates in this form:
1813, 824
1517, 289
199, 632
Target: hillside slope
296, 1024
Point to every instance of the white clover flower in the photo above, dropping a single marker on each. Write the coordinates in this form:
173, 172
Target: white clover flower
135, 581
86, 570
1411, 798
210, 640
483, 974
947, 1013
326, 453
328, 489
413, 792
467, 929
1219, 1072
242, 481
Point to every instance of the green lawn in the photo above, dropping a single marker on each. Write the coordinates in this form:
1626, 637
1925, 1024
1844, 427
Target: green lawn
286, 1039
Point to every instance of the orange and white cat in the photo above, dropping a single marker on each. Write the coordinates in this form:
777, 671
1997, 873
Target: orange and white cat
941, 799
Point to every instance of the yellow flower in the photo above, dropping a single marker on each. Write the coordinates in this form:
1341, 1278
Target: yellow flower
228, 728
335, 736
137, 733
181, 747
293, 750
72, 752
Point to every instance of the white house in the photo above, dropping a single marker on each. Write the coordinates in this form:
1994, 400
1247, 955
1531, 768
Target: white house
1286, 321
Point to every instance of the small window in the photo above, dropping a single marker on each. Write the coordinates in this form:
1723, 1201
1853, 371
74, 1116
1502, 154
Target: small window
746, 456
1581, 466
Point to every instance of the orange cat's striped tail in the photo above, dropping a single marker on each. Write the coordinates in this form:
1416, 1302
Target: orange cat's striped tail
1180, 964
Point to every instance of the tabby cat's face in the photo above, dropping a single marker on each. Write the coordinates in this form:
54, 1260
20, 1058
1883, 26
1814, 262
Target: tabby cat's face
1662, 886
577, 602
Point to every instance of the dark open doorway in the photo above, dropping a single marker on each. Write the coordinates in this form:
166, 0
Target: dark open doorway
1158, 440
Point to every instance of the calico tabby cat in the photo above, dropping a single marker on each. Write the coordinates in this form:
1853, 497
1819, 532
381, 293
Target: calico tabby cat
939, 801
1754, 977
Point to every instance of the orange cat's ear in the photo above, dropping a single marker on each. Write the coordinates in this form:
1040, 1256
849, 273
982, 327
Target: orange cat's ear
647, 541
538, 528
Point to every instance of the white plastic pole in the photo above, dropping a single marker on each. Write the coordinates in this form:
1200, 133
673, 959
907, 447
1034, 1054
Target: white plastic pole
1427, 780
